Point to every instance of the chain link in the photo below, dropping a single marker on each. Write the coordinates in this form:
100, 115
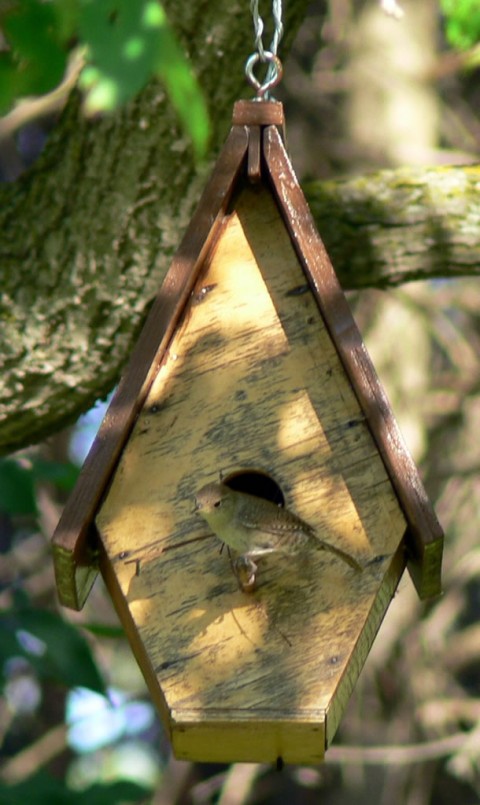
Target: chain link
274, 71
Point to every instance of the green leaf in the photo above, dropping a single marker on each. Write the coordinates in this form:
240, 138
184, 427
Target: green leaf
173, 68
63, 474
17, 481
112, 794
462, 18
42, 788
108, 27
66, 14
36, 790
17, 493
58, 650
8, 82
30, 30
127, 44
104, 630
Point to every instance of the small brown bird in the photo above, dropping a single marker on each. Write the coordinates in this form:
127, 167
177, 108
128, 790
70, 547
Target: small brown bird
255, 527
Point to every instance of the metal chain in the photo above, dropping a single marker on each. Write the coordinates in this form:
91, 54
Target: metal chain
275, 70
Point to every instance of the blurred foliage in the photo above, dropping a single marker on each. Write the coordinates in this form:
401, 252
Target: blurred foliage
53, 647
124, 45
421, 683
45, 657
462, 22
37, 57
19, 476
43, 787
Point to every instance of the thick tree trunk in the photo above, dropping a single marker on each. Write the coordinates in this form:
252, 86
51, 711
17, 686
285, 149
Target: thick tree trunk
87, 235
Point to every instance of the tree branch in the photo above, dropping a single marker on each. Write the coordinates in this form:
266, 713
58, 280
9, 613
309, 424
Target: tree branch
400, 225
87, 235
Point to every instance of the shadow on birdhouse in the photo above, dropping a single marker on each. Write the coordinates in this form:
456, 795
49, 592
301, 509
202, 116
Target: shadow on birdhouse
249, 365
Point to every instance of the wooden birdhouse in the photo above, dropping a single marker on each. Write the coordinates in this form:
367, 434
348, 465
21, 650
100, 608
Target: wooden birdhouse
249, 365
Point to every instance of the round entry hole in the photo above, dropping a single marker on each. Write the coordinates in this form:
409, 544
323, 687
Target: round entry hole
255, 482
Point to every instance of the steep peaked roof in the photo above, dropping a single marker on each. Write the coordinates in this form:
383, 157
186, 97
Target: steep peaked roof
254, 148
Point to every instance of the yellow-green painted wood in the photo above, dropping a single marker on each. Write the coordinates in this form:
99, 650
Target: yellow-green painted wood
251, 380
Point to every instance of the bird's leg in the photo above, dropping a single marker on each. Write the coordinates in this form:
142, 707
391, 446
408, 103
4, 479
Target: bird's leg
245, 571
245, 568
257, 553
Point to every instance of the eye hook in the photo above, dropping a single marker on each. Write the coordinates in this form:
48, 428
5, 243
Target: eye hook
276, 70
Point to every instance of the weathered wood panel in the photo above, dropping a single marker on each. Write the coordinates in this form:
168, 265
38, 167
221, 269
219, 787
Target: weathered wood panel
251, 380
74, 540
425, 535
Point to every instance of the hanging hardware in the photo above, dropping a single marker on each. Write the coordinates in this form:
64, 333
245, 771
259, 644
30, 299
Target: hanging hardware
275, 69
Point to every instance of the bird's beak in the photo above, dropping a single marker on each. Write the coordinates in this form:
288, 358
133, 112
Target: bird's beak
197, 507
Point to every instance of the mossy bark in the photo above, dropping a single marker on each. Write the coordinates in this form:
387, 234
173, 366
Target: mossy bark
87, 235
396, 226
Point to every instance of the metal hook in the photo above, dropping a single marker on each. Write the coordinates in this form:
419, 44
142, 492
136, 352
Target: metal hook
275, 68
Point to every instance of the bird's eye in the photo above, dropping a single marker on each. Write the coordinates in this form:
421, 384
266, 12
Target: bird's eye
217, 504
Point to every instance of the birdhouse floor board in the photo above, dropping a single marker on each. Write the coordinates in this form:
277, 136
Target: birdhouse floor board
289, 740
251, 379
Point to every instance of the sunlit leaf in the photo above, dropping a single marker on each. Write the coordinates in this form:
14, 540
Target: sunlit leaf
128, 43
108, 28
462, 18
175, 71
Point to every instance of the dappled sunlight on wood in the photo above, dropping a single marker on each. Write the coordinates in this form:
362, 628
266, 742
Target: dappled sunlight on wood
251, 379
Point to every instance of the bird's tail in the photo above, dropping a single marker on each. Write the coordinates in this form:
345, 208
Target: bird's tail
341, 555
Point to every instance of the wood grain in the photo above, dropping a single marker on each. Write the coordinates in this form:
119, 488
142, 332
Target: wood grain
254, 163
251, 360
75, 538
258, 113
425, 535
251, 379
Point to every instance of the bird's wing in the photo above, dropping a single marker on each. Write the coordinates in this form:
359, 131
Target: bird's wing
278, 521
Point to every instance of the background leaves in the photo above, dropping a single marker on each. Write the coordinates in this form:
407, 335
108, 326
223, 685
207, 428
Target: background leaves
55, 648
18, 477
124, 45
462, 22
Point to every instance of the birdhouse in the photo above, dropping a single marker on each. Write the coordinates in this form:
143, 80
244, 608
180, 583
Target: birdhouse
250, 368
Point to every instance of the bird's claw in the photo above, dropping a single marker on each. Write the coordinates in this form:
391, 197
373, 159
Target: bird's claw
245, 571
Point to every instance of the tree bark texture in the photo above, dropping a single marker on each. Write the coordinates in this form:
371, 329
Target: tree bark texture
87, 235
